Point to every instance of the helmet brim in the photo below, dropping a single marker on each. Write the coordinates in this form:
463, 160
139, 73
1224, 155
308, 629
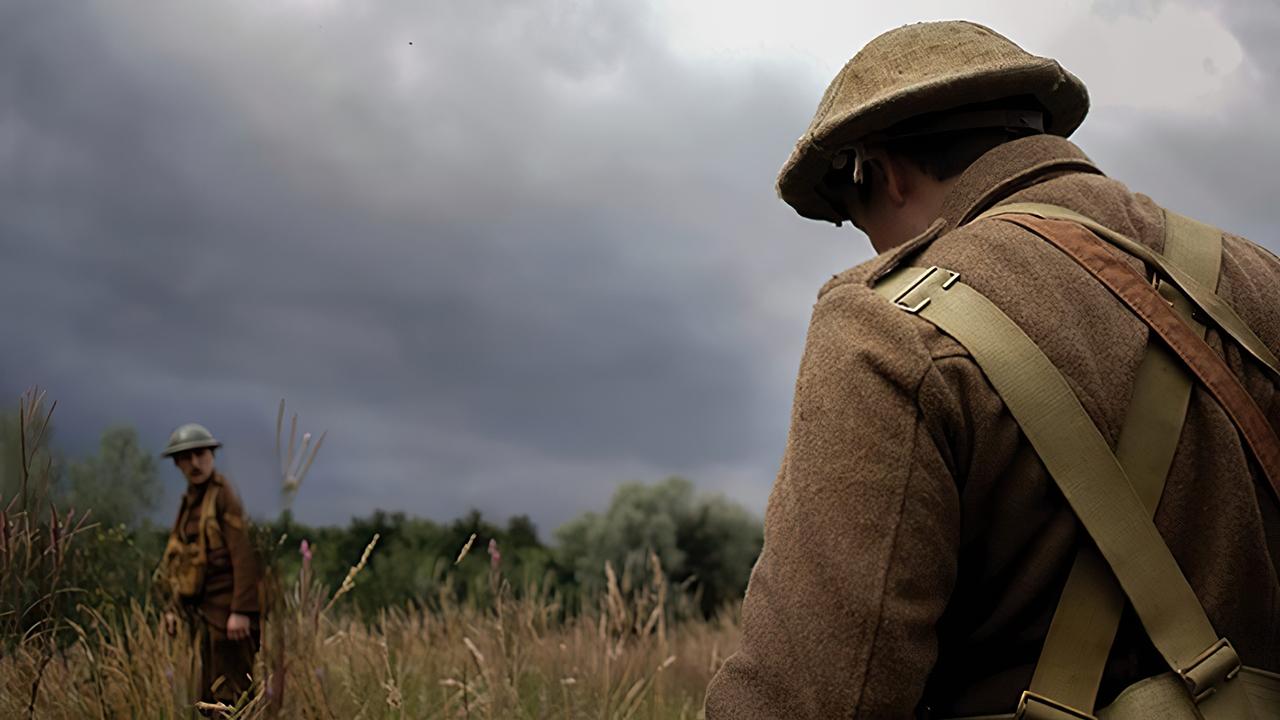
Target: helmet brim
189, 445
1062, 96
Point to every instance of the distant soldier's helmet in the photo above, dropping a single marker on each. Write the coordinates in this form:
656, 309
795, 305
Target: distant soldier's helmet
918, 70
189, 437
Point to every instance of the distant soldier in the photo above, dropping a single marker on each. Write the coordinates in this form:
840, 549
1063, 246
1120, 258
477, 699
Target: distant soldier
1032, 469
212, 569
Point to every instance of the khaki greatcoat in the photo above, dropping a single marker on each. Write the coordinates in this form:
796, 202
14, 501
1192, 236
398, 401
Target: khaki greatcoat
915, 547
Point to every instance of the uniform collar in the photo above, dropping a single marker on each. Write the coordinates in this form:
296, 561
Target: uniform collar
996, 175
196, 492
1008, 168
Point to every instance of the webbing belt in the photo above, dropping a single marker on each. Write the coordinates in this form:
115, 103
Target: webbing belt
1084, 625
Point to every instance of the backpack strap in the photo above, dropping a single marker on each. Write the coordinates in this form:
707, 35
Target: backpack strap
1084, 625
1081, 463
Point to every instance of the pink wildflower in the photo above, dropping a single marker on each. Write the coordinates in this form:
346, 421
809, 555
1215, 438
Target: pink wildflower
305, 550
495, 557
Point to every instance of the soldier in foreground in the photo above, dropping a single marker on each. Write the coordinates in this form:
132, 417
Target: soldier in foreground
1018, 482
212, 569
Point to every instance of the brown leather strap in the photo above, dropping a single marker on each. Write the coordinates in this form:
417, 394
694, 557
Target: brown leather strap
1134, 290
1218, 310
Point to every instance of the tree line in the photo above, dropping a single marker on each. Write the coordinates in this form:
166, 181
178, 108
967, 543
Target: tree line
705, 545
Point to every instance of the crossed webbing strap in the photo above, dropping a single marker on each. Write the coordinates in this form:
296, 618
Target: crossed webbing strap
208, 517
1080, 461
1078, 458
1084, 625
1082, 464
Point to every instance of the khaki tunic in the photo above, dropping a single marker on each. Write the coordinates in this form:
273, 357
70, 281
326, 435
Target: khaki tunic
915, 547
232, 573
231, 585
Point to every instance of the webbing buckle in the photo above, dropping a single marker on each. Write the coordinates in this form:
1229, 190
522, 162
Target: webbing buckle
1210, 669
925, 283
1034, 706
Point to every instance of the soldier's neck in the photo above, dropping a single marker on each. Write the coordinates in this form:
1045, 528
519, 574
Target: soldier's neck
195, 489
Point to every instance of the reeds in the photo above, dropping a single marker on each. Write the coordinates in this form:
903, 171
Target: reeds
36, 540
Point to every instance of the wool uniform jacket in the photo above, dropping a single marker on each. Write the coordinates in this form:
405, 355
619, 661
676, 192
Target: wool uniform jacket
915, 547
232, 575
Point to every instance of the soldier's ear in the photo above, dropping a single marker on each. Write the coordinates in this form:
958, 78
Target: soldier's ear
895, 180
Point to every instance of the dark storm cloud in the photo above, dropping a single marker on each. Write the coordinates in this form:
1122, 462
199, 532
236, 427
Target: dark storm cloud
508, 265
508, 254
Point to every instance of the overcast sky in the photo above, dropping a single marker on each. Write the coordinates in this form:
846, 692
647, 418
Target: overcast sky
509, 254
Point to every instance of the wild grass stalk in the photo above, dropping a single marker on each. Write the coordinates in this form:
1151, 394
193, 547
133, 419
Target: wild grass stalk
639, 650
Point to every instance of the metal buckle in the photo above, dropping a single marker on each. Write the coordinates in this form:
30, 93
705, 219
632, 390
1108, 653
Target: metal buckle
1210, 669
919, 283
1033, 706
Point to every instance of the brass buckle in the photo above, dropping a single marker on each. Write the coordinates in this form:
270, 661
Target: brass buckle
919, 283
1034, 706
1210, 669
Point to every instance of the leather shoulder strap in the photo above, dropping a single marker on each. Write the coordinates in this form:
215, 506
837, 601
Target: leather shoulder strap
1204, 298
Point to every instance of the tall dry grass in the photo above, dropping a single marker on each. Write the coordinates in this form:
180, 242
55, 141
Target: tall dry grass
36, 538
505, 657
518, 657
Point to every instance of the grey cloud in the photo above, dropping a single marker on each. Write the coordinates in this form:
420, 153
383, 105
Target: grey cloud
1215, 163
526, 257
509, 275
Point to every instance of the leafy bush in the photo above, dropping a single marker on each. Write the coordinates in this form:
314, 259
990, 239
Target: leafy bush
707, 544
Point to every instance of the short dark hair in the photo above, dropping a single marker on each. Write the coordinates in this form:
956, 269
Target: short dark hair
945, 155
940, 155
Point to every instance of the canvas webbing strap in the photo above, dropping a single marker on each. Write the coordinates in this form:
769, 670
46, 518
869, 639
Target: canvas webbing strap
1212, 371
1084, 625
1080, 461
208, 516
1204, 298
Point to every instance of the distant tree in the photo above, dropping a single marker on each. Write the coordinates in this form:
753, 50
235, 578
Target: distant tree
721, 541
119, 484
640, 518
521, 532
709, 542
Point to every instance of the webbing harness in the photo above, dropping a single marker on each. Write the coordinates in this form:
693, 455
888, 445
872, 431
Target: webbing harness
1112, 494
187, 562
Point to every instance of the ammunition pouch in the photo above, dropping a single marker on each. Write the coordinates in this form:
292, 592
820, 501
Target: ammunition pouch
1163, 697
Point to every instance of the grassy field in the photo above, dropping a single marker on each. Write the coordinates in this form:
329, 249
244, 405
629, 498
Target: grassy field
516, 657
81, 637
